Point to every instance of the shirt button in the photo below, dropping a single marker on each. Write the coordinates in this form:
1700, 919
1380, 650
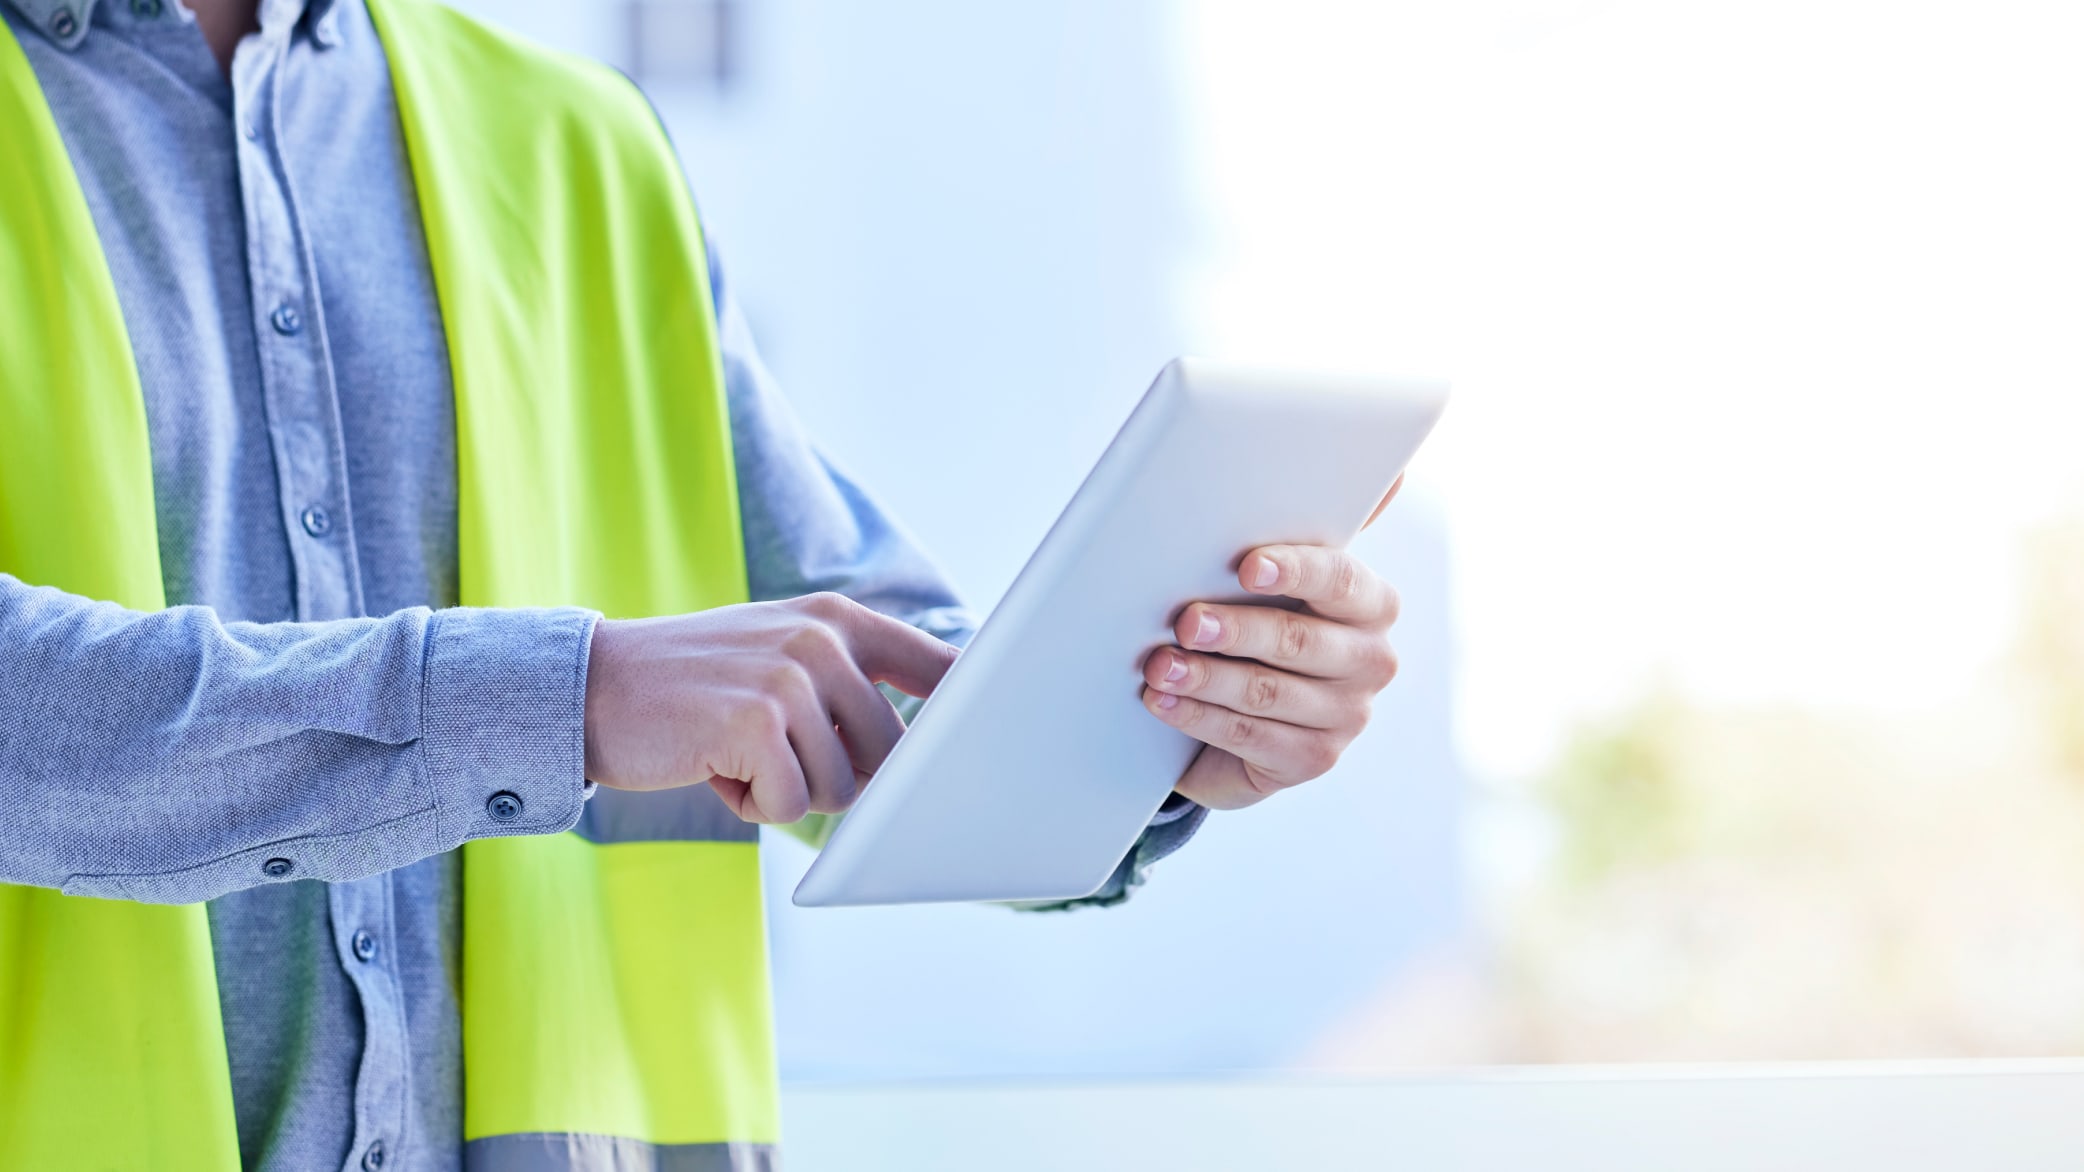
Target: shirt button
317, 522
145, 9
365, 947
247, 128
64, 23
374, 1157
277, 868
286, 320
504, 806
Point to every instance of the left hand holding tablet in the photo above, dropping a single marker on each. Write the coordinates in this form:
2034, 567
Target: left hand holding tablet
1276, 695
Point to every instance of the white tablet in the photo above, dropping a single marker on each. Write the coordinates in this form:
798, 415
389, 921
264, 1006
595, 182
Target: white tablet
1034, 766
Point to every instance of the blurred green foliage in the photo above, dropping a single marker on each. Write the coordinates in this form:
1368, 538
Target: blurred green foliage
1619, 790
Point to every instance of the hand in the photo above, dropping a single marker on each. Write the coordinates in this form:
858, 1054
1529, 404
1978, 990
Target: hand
1276, 695
773, 704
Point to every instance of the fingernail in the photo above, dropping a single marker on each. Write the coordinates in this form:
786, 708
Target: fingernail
1267, 574
1168, 701
1177, 671
1205, 634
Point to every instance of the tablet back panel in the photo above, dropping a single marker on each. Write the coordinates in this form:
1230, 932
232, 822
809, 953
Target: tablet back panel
1034, 767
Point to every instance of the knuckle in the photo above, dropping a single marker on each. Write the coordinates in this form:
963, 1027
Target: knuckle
1345, 578
1319, 755
812, 643
779, 684
1241, 731
755, 711
1375, 664
830, 605
1262, 691
1356, 721
1295, 636
1382, 663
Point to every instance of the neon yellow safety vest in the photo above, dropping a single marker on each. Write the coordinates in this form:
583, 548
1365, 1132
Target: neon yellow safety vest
615, 995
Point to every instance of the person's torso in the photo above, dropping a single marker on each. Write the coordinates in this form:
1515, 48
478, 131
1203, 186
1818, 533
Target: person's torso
266, 248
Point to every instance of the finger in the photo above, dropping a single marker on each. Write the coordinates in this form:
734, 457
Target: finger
1220, 781
828, 772
735, 794
867, 722
776, 789
895, 653
774, 795
1254, 689
759, 767
1333, 582
1386, 498
1290, 640
1277, 754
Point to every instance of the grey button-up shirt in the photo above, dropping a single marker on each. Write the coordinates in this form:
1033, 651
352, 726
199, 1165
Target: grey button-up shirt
263, 744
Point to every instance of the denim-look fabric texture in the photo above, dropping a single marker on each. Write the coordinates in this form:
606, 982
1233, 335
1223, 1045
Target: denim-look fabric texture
265, 242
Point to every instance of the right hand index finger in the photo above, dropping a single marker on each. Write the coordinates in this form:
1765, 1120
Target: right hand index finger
891, 652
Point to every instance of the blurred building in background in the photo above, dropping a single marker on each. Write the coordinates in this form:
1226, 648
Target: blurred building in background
966, 236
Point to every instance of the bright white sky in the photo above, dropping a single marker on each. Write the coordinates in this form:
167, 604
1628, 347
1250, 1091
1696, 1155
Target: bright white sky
1766, 320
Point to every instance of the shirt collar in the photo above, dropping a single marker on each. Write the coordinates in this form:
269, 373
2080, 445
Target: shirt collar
65, 21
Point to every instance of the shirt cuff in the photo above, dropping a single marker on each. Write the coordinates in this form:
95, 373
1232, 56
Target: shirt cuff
503, 721
1175, 823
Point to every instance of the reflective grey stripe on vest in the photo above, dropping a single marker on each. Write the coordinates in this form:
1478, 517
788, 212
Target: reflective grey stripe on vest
691, 813
563, 1152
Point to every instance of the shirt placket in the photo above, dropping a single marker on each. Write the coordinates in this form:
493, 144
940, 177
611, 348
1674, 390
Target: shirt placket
302, 403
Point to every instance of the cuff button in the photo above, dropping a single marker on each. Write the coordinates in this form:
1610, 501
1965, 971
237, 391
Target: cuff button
503, 806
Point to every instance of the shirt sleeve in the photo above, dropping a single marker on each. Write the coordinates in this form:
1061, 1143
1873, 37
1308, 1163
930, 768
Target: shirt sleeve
170, 757
809, 527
